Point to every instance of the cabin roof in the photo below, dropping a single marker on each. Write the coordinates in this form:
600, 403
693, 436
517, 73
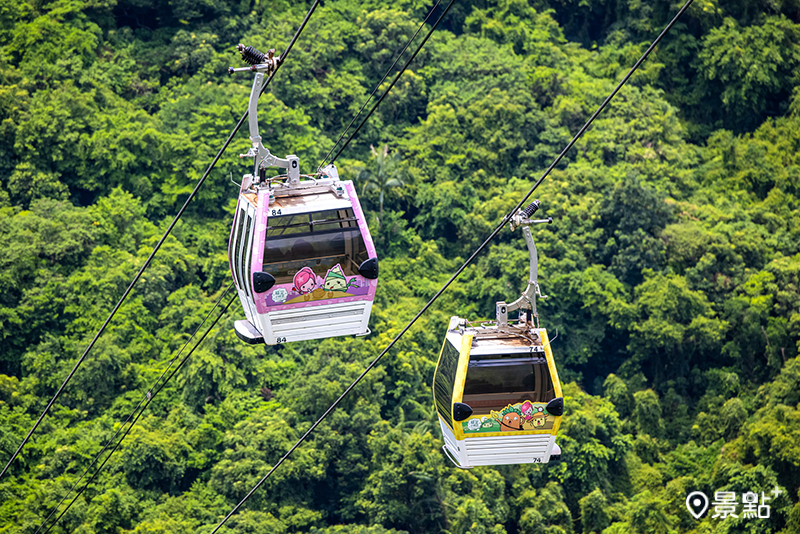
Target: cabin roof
311, 202
488, 340
312, 199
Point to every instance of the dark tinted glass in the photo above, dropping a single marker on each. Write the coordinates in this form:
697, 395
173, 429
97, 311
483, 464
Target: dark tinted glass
493, 384
284, 225
318, 240
444, 379
237, 247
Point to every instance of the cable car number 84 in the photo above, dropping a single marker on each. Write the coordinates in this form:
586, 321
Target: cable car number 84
275, 212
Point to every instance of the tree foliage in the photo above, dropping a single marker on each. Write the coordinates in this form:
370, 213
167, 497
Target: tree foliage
672, 265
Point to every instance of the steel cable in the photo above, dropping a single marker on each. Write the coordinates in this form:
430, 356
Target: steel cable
158, 245
391, 85
147, 400
378, 85
147, 396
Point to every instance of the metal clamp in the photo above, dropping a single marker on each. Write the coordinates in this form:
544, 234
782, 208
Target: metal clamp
258, 61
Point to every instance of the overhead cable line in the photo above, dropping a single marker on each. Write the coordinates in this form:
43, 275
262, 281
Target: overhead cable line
461, 269
394, 81
148, 394
143, 404
160, 242
378, 85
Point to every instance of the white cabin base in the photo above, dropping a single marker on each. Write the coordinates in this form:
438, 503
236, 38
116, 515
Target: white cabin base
316, 322
247, 332
499, 450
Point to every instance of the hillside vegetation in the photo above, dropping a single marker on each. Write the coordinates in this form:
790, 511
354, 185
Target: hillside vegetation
673, 264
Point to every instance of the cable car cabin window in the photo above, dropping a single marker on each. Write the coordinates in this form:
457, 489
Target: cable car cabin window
237, 247
444, 380
248, 236
319, 240
492, 384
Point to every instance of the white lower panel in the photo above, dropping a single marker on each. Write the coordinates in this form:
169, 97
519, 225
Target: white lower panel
451, 444
316, 322
449, 438
499, 450
247, 305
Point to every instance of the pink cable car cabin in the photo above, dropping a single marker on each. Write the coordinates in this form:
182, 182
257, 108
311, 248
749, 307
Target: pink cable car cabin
303, 261
300, 251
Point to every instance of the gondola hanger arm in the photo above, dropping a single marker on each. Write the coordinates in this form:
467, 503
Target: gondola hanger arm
527, 300
261, 64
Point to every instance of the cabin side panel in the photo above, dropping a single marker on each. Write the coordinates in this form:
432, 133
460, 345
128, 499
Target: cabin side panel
444, 380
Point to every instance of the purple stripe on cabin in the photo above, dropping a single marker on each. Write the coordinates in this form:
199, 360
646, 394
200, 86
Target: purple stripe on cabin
362, 226
257, 262
362, 220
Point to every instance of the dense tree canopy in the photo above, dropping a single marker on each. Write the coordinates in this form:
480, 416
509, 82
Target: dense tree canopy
673, 264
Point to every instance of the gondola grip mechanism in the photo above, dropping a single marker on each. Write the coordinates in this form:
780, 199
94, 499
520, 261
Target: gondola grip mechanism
528, 298
260, 64
257, 61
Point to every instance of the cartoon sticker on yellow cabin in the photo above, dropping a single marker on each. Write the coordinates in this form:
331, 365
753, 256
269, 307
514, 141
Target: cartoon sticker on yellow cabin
534, 417
512, 418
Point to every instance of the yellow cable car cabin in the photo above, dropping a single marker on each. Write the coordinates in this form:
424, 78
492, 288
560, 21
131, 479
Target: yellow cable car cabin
497, 396
496, 389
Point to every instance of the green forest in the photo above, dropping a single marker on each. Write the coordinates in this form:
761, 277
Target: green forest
672, 264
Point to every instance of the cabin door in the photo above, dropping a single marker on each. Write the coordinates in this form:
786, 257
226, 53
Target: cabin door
240, 259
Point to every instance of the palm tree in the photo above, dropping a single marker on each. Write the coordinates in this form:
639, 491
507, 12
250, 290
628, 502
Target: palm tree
384, 172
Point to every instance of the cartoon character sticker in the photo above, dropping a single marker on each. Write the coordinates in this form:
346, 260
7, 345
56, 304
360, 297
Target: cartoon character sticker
539, 418
305, 281
482, 424
534, 417
512, 418
307, 286
335, 280
527, 410
489, 424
